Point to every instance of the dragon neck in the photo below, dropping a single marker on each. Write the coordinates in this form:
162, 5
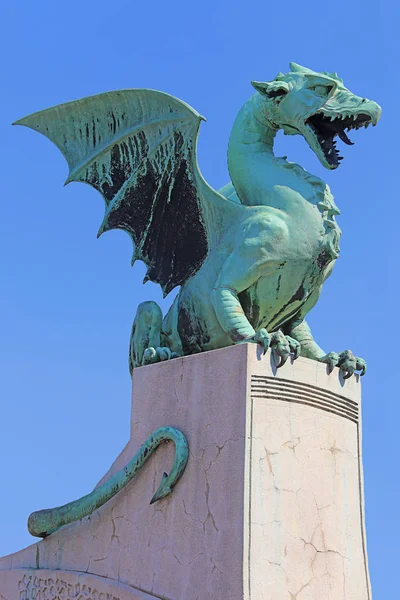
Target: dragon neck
256, 173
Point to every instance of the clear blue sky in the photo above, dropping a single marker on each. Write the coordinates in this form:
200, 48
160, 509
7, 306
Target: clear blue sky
68, 300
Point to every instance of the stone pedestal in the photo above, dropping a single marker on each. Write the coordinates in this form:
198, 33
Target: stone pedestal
270, 506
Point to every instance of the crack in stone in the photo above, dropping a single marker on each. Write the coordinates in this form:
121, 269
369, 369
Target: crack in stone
100, 559
209, 514
189, 514
294, 596
291, 445
325, 551
278, 489
214, 567
267, 457
186, 564
219, 447
113, 519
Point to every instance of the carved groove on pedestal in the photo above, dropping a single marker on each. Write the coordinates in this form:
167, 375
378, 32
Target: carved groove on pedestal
302, 393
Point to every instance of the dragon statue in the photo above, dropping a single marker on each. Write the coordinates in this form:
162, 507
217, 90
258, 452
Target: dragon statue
250, 258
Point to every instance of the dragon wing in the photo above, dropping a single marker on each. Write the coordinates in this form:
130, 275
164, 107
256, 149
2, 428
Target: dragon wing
138, 149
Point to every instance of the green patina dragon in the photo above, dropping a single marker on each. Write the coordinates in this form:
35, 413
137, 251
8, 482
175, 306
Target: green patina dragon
250, 259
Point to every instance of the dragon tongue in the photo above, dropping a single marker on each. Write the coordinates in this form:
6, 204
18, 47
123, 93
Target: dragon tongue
345, 139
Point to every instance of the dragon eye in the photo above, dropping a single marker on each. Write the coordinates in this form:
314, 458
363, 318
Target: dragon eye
322, 90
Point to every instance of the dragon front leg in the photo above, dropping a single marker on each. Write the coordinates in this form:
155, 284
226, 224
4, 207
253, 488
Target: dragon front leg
145, 344
254, 257
346, 361
232, 318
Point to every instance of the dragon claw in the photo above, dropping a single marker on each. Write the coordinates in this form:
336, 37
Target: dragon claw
153, 355
281, 348
295, 346
163, 353
263, 338
281, 345
331, 360
149, 356
361, 366
282, 358
347, 363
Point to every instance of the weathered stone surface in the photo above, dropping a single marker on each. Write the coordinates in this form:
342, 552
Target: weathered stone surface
270, 505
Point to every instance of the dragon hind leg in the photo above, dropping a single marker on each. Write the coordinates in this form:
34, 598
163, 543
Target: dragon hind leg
146, 332
145, 343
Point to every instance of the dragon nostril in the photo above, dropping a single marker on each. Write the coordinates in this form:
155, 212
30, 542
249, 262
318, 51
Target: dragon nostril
364, 100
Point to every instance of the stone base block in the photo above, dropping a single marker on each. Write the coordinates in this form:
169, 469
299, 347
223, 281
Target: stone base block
270, 506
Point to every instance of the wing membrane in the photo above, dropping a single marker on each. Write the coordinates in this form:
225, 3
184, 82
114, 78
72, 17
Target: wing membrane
138, 149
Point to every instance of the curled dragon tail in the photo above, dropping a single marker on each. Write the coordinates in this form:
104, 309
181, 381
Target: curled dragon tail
44, 522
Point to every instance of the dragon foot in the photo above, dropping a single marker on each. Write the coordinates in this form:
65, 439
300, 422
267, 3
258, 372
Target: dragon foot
346, 361
281, 345
153, 355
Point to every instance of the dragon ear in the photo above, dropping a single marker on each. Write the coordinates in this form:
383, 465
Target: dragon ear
295, 68
271, 89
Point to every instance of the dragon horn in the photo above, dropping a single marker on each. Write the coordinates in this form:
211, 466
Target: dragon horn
295, 68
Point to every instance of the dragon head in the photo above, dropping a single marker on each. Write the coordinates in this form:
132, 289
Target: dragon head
317, 106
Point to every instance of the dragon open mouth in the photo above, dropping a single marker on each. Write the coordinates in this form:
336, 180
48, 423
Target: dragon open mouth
327, 128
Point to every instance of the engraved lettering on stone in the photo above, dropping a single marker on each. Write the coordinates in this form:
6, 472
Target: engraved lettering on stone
32, 587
